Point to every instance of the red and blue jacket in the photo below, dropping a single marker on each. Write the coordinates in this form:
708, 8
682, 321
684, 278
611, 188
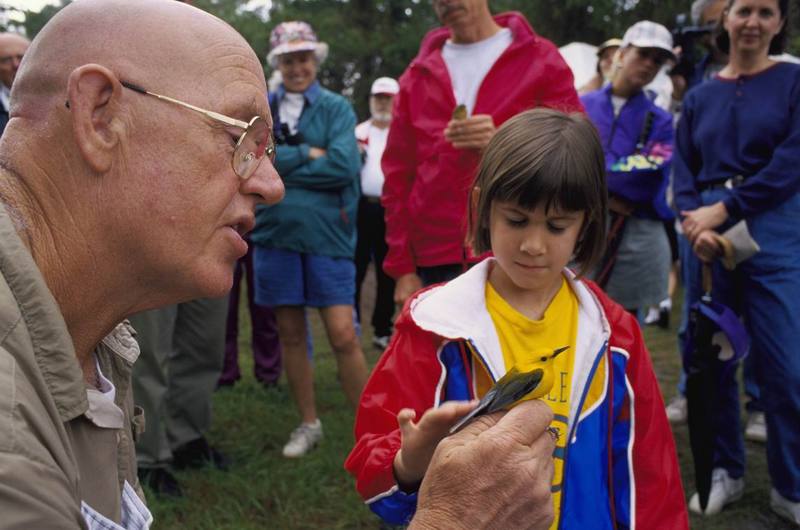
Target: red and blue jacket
620, 465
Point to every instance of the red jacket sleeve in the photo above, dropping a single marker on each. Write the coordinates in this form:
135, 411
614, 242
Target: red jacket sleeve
399, 164
557, 91
405, 377
660, 501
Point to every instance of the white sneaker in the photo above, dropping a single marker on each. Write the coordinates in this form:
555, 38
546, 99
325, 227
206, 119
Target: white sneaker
756, 430
724, 490
652, 316
380, 342
784, 507
303, 439
677, 409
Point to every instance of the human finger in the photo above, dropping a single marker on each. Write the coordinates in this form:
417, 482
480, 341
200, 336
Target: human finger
525, 423
443, 417
405, 419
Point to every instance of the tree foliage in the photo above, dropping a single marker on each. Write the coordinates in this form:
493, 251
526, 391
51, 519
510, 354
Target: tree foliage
373, 38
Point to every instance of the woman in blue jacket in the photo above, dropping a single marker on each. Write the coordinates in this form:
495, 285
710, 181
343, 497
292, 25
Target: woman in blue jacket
738, 159
637, 139
305, 244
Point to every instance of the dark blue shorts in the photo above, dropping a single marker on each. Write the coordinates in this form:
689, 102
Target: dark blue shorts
284, 277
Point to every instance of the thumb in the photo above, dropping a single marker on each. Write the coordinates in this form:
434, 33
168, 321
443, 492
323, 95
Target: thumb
405, 420
526, 422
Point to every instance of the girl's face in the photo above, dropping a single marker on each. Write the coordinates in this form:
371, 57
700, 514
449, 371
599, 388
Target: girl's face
532, 247
751, 25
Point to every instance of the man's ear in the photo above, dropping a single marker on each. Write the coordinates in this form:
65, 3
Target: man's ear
93, 93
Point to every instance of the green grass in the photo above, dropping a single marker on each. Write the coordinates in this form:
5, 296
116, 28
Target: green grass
262, 490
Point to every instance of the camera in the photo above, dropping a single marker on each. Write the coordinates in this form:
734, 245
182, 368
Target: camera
686, 36
283, 136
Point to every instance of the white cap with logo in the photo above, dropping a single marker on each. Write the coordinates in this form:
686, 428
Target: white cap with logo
384, 85
646, 34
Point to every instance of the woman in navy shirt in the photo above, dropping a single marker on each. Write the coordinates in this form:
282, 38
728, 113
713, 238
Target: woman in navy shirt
738, 157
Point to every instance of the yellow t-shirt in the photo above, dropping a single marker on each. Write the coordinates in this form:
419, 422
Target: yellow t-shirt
519, 338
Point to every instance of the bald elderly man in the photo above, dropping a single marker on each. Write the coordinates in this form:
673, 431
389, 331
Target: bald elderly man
120, 192
12, 48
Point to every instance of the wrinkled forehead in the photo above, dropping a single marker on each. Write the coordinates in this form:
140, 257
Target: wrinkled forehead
13, 46
233, 82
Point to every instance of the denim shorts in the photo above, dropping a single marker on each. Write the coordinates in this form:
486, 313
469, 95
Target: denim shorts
285, 277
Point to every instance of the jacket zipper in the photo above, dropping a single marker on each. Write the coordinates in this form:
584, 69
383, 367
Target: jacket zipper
598, 359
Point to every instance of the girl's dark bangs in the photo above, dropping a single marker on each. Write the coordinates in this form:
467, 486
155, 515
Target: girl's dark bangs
558, 182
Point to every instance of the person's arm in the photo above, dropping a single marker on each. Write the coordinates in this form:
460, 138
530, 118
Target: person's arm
778, 180
652, 465
399, 164
638, 177
495, 473
339, 164
405, 377
35, 495
557, 87
686, 163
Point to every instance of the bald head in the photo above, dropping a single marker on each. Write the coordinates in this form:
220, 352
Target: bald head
12, 48
123, 142
161, 44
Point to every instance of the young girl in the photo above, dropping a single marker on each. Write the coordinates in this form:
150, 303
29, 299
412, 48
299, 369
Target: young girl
539, 202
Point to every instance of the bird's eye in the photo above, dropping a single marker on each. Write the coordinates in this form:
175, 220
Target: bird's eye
544, 359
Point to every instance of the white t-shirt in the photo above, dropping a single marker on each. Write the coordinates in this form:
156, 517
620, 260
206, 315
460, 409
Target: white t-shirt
468, 64
618, 102
374, 140
290, 109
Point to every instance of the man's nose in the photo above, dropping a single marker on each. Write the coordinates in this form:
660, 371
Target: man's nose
264, 184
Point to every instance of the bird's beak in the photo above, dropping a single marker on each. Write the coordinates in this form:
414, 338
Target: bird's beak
558, 351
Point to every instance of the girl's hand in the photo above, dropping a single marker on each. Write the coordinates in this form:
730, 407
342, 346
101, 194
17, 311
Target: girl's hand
419, 440
470, 133
707, 246
704, 218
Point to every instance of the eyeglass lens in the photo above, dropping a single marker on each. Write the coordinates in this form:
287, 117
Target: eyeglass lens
253, 145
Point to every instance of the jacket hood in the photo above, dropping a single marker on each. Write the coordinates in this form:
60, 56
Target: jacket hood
434, 40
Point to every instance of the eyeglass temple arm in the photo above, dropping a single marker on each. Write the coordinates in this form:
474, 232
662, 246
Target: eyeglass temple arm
211, 114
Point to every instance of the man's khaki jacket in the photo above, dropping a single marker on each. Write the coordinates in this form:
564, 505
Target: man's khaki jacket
60, 449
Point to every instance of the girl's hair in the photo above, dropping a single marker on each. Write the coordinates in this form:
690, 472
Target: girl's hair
778, 42
545, 158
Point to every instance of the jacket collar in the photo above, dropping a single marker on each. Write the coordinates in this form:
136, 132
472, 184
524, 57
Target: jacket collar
53, 351
311, 94
430, 51
457, 311
52, 347
638, 99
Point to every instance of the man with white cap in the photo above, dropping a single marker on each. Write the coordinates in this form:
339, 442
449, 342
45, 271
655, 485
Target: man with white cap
371, 246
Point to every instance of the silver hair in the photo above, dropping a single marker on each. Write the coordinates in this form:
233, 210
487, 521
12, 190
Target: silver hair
698, 6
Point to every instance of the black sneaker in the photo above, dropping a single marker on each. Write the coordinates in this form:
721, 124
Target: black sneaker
197, 454
161, 481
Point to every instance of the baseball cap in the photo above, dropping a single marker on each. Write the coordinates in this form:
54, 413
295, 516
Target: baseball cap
384, 85
647, 34
610, 43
